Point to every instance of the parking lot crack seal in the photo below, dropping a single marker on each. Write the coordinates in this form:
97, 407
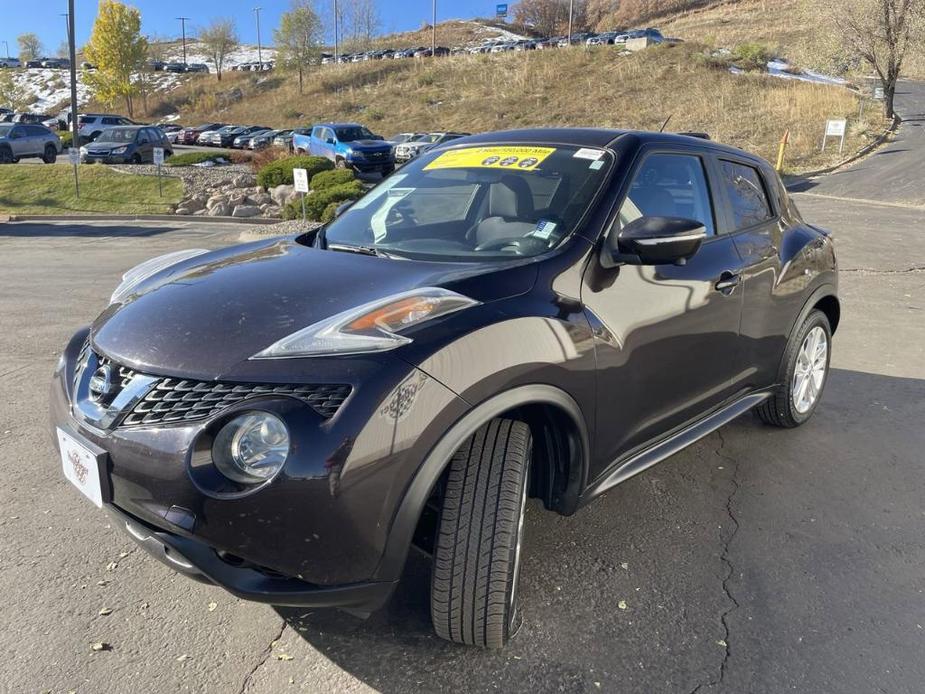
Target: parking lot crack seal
873, 271
730, 570
264, 657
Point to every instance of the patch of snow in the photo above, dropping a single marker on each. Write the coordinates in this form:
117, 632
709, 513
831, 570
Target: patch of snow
196, 53
783, 69
491, 34
49, 88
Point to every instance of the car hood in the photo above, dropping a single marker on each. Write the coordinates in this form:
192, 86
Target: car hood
364, 145
100, 147
204, 317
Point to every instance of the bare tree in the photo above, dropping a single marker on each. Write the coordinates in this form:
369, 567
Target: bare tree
219, 38
550, 17
363, 16
880, 32
30, 48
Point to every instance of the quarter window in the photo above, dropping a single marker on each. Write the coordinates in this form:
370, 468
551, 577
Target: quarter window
747, 196
669, 185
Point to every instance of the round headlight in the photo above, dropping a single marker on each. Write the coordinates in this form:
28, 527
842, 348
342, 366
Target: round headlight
251, 448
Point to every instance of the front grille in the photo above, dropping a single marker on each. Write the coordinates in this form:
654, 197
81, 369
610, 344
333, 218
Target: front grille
179, 400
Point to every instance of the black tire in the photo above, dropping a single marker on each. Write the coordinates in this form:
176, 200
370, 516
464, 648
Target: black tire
51, 154
15, 160
780, 410
6, 156
476, 556
136, 159
340, 163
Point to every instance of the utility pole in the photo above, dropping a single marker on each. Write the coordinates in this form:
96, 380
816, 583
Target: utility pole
183, 21
571, 7
259, 53
72, 51
433, 29
7, 49
335, 32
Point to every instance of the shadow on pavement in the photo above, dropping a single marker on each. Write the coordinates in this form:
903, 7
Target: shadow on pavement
95, 230
658, 541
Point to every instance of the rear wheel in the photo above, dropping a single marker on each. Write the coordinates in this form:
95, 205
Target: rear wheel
50, 155
477, 553
803, 375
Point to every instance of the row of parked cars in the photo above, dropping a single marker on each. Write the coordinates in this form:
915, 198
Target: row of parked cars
615, 37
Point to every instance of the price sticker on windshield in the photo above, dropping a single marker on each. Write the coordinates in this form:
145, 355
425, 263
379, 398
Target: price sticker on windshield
523, 158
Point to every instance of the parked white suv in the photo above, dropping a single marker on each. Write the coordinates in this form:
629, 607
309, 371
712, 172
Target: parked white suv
90, 125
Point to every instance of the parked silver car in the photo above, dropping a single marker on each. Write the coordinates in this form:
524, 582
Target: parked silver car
18, 141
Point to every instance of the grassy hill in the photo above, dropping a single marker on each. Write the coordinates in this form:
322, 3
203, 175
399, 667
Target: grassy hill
596, 87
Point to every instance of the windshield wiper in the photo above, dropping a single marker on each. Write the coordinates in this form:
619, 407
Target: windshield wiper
351, 248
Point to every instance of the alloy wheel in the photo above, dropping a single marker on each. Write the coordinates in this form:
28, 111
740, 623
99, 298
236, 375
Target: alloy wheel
809, 370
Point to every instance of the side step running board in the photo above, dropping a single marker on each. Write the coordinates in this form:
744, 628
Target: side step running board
684, 438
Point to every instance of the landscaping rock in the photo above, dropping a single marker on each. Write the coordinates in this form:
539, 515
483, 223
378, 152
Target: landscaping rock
194, 204
280, 194
216, 200
183, 210
244, 181
246, 211
222, 209
260, 200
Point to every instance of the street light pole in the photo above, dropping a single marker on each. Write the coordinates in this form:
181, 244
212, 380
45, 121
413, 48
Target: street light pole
571, 6
7, 49
259, 53
72, 51
183, 21
335, 32
433, 29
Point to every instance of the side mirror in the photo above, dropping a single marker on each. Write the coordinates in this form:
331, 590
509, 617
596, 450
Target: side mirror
654, 241
331, 141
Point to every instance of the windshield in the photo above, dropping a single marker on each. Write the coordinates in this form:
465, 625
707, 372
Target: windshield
117, 135
476, 203
356, 132
5, 129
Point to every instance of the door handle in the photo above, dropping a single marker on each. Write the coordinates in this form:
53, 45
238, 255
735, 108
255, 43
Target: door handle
727, 283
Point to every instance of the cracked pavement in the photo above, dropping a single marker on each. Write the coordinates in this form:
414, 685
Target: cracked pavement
757, 560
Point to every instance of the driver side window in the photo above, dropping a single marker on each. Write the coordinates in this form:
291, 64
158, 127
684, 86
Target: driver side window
669, 185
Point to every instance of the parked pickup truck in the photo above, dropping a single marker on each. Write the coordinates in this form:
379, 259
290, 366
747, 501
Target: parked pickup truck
347, 145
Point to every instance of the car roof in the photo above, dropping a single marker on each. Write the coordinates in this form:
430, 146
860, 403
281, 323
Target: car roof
597, 137
338, 125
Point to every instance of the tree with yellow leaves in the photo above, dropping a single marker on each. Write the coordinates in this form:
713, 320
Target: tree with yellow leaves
118, 50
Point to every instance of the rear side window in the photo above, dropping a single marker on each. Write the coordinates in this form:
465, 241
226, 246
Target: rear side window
747, 195
669, 185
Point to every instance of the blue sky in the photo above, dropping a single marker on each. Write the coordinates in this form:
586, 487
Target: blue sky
158, 16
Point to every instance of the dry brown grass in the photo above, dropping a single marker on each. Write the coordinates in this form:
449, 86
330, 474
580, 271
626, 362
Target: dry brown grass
575, 87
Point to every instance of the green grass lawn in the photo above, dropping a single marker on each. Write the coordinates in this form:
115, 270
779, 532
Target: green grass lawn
49, 189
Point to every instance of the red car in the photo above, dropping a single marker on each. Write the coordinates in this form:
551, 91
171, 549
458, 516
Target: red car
188, 136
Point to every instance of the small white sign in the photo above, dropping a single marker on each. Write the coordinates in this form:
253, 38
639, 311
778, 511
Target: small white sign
835, 128
158, 156
878, 93
300, 178
74, 155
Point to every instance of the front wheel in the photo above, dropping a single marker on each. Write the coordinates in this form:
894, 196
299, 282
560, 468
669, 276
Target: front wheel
477, 554
6, 156
803, 374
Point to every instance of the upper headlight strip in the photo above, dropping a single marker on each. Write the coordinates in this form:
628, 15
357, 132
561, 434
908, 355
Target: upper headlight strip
372, 327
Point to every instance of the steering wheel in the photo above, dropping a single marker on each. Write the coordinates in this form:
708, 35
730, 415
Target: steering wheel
401, 215
520, 245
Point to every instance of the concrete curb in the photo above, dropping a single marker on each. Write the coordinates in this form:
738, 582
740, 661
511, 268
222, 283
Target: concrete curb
138, 218
864, 151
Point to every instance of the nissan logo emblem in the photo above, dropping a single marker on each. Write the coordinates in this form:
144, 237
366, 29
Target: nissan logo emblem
100, 383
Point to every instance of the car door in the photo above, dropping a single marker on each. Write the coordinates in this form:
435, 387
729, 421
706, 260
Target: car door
667, 339
143, 144
755, 217
19, 141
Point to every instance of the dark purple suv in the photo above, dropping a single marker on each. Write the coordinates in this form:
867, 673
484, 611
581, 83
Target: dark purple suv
534, 313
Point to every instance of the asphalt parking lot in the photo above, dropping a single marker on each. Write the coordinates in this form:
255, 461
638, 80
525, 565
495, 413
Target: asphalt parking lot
758, 560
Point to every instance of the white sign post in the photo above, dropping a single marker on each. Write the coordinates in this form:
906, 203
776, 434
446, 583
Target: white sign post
835, 128
878, 93
300, 179
159, 162
73, 154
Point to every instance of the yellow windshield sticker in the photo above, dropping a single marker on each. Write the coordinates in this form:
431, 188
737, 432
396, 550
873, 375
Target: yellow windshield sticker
523, 158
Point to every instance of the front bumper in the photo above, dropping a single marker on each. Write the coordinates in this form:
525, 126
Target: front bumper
242, 579
316, 534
